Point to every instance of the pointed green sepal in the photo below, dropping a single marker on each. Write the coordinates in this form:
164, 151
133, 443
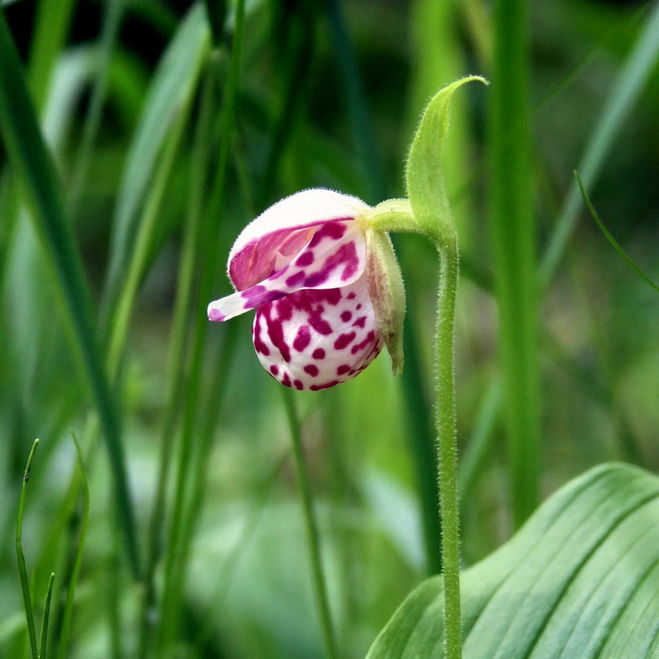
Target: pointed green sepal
387, 293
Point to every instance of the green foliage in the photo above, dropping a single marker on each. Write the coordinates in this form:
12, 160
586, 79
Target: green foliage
29, 156
579, 579
514, 249
424, 171
137, 139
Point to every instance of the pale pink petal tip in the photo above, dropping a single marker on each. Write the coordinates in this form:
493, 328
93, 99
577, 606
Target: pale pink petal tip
214, 314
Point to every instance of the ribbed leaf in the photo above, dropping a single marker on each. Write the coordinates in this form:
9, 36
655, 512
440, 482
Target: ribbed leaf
580, 579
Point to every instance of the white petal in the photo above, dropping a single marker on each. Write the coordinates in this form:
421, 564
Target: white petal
301, 209
334, 257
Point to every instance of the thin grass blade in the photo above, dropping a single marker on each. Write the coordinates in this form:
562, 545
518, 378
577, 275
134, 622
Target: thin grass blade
628, 85
172, 85
67, 615
43, 646
22, 568
111, 23
607, 234
30, 158
52, 24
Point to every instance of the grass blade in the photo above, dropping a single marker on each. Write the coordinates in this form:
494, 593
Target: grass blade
22, 569
513, 235
201, 156
172, 84
144, 240
67, 614
359, 115
46, 617
52, 24
311, 525
29, 156
628, 85
481, 439
607, 234
174, 568
111, 23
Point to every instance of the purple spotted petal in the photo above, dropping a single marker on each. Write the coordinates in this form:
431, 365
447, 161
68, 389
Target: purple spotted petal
280, 232
335, 256
315, 339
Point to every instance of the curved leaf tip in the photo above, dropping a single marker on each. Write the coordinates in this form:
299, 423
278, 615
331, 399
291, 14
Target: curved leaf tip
423, 173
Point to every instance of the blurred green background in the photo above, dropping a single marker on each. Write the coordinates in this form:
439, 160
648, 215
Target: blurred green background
167, 137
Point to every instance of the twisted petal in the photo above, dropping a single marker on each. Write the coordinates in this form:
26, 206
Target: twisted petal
315, 339
334, 255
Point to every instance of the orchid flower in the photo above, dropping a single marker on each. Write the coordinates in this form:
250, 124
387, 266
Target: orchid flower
320, 271
326, 288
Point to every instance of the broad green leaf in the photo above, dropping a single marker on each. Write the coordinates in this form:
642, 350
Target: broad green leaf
580, 579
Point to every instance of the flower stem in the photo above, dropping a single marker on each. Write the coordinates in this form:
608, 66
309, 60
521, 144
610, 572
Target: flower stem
445, 421
313, 544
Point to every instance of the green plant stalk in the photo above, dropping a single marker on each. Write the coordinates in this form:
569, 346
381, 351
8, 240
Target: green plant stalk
22, 568
177, 351
199, 469
513, 236
631, 79
445, 422
397, 215
46, 618
67, 616
143, 244
111, 23
311, 527
174, 570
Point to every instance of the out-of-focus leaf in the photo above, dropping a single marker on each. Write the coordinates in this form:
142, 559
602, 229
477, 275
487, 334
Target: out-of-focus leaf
580, 579
607, 234
32, 162
633, 76
172, 85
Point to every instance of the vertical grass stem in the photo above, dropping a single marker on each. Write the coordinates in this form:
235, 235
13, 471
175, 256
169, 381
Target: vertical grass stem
22, 568
313, 542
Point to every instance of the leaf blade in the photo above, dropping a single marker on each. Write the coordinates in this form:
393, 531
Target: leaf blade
29, 156
549, 590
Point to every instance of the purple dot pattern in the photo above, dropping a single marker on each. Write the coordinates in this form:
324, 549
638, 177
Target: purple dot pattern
335, 256
325, 358
314, 326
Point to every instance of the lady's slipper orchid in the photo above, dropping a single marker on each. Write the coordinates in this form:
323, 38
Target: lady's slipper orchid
326, 288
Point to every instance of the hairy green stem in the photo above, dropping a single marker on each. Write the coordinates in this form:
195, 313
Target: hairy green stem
313, 543
445, 423
396, 215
